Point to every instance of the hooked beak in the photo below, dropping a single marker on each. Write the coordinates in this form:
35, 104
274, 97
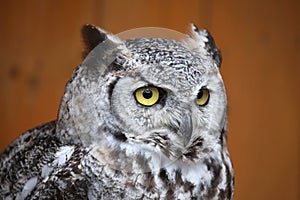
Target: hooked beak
186, 128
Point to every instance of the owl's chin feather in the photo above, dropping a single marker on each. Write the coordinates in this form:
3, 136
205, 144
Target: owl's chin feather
200, 170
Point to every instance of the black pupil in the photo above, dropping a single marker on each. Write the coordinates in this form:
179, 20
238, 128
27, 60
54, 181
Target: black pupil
147, 94
200, 94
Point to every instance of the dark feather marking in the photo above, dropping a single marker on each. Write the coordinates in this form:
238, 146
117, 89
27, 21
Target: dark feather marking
222, 138
164, 176
193, 150
74, 75
178, 179
229, 179
201, 187
92, 36
120, 136
215, 52
170, 194
116, 132
149, 182
227, 193
210, 46
115, 67
215, 169
222, 194
162, 141
111, 87
188, 186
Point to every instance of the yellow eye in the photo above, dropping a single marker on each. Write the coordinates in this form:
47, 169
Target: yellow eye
147, 96
202, 97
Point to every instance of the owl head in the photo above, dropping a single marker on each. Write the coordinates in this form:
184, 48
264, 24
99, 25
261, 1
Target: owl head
146, 96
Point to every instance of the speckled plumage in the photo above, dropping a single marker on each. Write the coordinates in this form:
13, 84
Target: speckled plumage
105, 145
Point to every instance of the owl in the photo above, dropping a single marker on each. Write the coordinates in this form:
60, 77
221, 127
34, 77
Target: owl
142, 118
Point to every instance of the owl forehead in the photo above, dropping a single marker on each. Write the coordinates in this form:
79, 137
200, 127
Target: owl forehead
161, 51
165, 62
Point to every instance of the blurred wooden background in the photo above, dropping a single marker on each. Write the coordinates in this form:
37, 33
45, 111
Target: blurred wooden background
260, 40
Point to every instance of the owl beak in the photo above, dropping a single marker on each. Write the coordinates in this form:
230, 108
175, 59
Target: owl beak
186, 128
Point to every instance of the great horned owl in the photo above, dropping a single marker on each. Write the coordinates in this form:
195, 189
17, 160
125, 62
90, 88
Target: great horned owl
143, 118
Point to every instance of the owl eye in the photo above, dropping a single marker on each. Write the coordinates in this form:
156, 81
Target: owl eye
147, 96
202, 97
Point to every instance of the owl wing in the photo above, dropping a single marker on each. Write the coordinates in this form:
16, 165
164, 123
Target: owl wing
66, 179
21, 162
38, 165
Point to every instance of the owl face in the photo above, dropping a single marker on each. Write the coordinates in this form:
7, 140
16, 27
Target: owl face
164, 97
168, 97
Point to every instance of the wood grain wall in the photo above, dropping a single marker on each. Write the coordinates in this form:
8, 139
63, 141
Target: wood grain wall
40, 45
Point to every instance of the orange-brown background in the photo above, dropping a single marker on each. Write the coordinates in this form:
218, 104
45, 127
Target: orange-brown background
40, 45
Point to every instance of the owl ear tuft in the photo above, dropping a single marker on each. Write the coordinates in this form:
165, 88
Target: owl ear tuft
203, 42
92, 36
